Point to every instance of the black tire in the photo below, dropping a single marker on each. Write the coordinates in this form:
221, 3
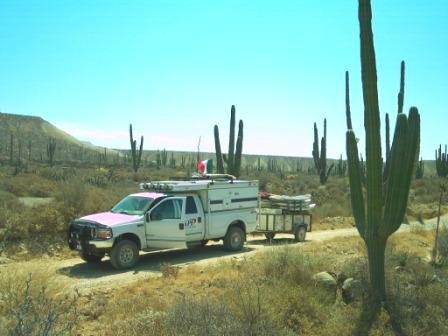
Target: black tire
124, 254
234, 239
269, 235
91, 258
300, 234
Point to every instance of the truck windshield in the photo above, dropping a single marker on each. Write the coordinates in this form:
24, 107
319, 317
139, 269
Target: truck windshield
132, 205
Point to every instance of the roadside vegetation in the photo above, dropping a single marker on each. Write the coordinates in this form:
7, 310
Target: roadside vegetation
36, 207
274, 292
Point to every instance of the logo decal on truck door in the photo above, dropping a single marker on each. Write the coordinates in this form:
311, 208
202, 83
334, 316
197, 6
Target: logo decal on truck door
191, 222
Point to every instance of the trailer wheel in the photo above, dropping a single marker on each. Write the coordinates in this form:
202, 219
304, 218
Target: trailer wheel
124, 254
234, 239
269, 235
91, 258
300, 234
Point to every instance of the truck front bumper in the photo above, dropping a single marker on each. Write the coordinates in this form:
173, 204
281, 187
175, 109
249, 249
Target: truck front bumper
92, 246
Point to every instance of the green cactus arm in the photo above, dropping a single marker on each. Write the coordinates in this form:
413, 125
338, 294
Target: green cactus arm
347, 102
323, 146
230, 157
219, 161
238, 149
315, 151
140, 152
405, 148
330, 169
354, 173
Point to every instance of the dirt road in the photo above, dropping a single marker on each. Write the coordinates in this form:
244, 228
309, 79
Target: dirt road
85, 277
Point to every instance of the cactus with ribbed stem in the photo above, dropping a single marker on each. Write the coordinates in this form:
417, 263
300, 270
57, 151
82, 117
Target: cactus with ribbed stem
233, 158
382, 213
320, 161
136, 154
420, 169
51, 149
219, 161
441, 162
341, 167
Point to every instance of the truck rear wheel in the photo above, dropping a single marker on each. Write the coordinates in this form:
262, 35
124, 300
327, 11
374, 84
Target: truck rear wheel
234, 239
269, 235
91, 258
124, 254
300, 234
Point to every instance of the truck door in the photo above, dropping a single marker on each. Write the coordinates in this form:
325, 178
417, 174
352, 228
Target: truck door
194, 219
166, 225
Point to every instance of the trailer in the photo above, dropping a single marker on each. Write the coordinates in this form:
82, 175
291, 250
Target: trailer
284, 214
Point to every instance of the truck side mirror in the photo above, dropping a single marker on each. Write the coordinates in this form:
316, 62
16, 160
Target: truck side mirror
147, 218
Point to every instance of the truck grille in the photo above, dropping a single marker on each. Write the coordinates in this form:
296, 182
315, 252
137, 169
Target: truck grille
80, 233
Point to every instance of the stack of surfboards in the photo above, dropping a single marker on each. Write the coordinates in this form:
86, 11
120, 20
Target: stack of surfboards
293, 203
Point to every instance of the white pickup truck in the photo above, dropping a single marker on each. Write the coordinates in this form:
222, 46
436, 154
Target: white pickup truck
168, 214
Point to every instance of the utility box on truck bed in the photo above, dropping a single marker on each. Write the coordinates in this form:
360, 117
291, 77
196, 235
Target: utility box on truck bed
169, 214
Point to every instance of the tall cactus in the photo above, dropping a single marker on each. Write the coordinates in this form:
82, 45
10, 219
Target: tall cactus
233, 158
420, 169
136, 154
341, 167
441, 162
320, 161
382, 213
219, 162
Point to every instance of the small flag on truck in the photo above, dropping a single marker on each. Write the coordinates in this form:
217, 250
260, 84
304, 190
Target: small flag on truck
205, 167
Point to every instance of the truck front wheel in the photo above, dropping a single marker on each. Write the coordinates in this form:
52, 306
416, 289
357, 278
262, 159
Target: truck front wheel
91, 258
234, 239
124, 254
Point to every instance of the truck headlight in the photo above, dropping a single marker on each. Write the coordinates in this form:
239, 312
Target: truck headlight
103, 233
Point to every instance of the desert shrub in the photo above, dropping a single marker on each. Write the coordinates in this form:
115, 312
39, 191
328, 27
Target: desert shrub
57, 173
332, 208
28, 185
169, 271
420, 301
425, 190
144, 322
71, 198
43, 220
28, 309
205, 316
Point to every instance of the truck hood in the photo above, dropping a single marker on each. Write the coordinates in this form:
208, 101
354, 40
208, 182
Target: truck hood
110, 218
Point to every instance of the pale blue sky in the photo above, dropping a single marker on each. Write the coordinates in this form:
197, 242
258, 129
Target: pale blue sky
174, 68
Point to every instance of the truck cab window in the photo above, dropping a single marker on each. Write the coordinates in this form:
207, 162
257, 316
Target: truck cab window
168, 209
191, 206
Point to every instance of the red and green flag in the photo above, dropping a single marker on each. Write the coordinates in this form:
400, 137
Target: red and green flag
205, 167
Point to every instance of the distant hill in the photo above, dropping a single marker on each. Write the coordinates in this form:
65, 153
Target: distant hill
30, 137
